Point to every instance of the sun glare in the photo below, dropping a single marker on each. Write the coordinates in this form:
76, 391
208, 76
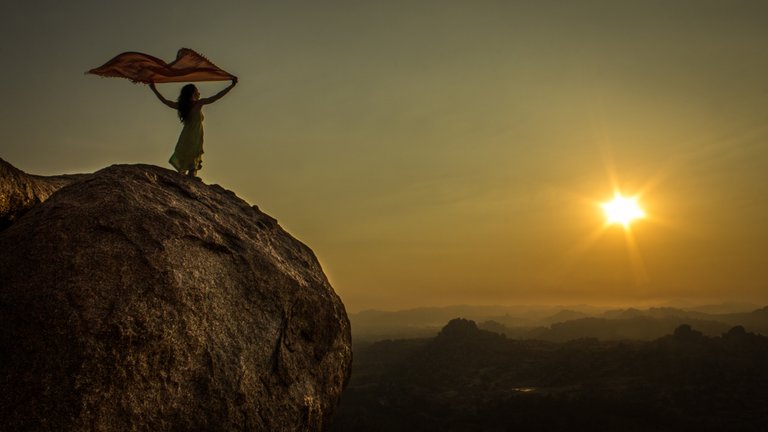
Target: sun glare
622, 210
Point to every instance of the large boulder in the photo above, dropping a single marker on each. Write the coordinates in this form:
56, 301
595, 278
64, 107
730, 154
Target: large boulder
137, 299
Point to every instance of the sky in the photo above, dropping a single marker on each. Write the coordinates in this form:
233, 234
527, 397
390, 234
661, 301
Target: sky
439, 152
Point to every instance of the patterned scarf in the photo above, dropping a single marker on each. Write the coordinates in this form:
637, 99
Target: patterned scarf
189, 66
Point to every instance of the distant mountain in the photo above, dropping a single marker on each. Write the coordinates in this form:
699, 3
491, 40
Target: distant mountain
717, 308
635, 328
622, 313
469, 379
639, 326
413, 323
427, 321
554, 323
438, 316
756, 321
494, 327
565, 315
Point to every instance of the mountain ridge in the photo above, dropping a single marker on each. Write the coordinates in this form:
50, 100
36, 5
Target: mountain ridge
535, 321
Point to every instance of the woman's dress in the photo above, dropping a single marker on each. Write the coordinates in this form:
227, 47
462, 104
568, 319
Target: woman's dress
188, 154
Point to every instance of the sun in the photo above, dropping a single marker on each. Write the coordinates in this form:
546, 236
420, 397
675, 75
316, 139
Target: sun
622, 210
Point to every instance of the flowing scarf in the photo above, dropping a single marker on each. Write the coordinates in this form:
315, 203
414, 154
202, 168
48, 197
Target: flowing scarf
189, 66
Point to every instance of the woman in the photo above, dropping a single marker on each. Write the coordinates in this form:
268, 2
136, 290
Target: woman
188, 155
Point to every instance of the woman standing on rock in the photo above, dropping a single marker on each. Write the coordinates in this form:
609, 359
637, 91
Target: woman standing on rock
188, 155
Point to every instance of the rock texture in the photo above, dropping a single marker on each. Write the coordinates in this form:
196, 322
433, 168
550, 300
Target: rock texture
20, 191
137, 299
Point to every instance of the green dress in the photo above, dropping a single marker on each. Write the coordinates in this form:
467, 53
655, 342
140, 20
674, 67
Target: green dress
188, 154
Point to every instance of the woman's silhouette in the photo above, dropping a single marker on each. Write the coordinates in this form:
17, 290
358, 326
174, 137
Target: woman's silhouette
188, 155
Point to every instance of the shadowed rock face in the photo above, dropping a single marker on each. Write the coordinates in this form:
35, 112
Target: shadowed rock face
138, 299
20, 191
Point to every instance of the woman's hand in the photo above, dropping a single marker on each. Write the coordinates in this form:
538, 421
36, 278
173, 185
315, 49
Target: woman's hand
219, 95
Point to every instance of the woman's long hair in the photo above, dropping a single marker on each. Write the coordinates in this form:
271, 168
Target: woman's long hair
185, 101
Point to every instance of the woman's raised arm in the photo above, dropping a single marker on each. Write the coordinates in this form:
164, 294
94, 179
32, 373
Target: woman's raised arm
219, 95
170, 104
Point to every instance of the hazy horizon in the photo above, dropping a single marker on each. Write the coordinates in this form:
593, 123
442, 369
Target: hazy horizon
674, 304
440, 152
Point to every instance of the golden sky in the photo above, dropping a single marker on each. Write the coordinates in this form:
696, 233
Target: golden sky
439, 152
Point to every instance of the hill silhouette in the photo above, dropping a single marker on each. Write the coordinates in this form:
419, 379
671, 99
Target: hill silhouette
468, 379
557, 323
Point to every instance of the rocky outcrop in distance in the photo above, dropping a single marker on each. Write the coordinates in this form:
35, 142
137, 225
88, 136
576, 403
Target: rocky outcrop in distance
20, 191
138, 299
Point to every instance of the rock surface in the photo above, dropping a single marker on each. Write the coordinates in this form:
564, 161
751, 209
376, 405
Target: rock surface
20, 191
138, 299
